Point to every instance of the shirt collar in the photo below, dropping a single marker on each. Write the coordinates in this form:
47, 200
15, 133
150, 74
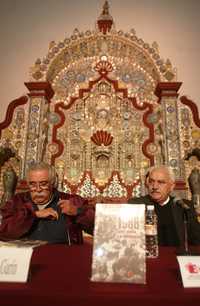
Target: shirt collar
42, 206
165, 202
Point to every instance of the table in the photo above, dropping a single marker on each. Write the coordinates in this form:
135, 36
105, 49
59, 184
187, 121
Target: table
60, 275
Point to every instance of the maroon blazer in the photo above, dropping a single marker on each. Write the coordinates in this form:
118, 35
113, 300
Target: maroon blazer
19, 219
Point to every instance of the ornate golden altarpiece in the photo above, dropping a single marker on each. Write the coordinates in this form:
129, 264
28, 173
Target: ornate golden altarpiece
103, 106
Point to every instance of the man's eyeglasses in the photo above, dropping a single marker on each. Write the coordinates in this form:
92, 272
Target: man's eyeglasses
44, 185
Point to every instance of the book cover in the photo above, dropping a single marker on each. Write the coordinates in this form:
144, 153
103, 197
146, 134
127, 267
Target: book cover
119, 244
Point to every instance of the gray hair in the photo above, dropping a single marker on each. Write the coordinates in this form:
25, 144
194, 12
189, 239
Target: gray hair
165, 168
44, 166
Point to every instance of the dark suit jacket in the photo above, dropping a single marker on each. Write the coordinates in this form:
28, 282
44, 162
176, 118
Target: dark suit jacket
193, 226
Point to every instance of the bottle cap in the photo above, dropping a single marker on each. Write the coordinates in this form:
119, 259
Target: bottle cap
150, 207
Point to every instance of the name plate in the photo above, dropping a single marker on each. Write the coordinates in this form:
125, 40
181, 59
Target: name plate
14, 263
190, 270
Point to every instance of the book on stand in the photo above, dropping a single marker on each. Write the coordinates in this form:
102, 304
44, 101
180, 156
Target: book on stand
119, 253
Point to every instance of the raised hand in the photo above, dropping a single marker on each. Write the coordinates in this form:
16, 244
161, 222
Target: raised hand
67, 207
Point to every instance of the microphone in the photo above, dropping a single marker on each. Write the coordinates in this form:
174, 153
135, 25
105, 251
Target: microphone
181, 202
67, 234
196, 202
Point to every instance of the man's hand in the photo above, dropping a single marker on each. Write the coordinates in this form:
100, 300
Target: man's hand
49, 213
67, 207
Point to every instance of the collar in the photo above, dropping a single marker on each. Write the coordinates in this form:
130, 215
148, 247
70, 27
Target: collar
42, 206
165, 202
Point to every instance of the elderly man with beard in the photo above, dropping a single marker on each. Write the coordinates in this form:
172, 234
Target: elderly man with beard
44, 213
170, 212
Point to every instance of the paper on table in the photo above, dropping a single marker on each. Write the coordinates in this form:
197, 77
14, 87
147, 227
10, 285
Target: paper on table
190, 270
14, 263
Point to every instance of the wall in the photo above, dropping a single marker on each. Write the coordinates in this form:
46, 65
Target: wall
27, 27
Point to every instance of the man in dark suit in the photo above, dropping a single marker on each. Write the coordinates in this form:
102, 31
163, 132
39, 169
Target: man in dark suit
170, 213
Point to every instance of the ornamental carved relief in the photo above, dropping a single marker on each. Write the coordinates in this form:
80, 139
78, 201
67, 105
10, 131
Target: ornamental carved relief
103, 107
103, 130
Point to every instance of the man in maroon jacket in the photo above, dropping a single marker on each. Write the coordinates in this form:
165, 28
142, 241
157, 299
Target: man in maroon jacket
44, 213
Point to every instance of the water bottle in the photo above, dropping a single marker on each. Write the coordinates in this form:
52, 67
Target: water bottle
151, 232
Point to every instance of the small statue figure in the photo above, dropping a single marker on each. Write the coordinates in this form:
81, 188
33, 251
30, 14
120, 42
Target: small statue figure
5, 154
9, 184
194, 152
194, 183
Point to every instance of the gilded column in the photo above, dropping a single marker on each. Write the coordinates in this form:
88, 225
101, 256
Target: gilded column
167, 92
40, 94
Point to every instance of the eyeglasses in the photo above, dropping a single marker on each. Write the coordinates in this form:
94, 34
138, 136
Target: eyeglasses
44, 185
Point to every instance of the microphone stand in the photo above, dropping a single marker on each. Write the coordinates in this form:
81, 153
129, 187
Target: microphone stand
184, 250
186, 247
68, 235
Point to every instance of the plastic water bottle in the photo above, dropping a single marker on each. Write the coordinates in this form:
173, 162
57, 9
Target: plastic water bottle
151, 232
